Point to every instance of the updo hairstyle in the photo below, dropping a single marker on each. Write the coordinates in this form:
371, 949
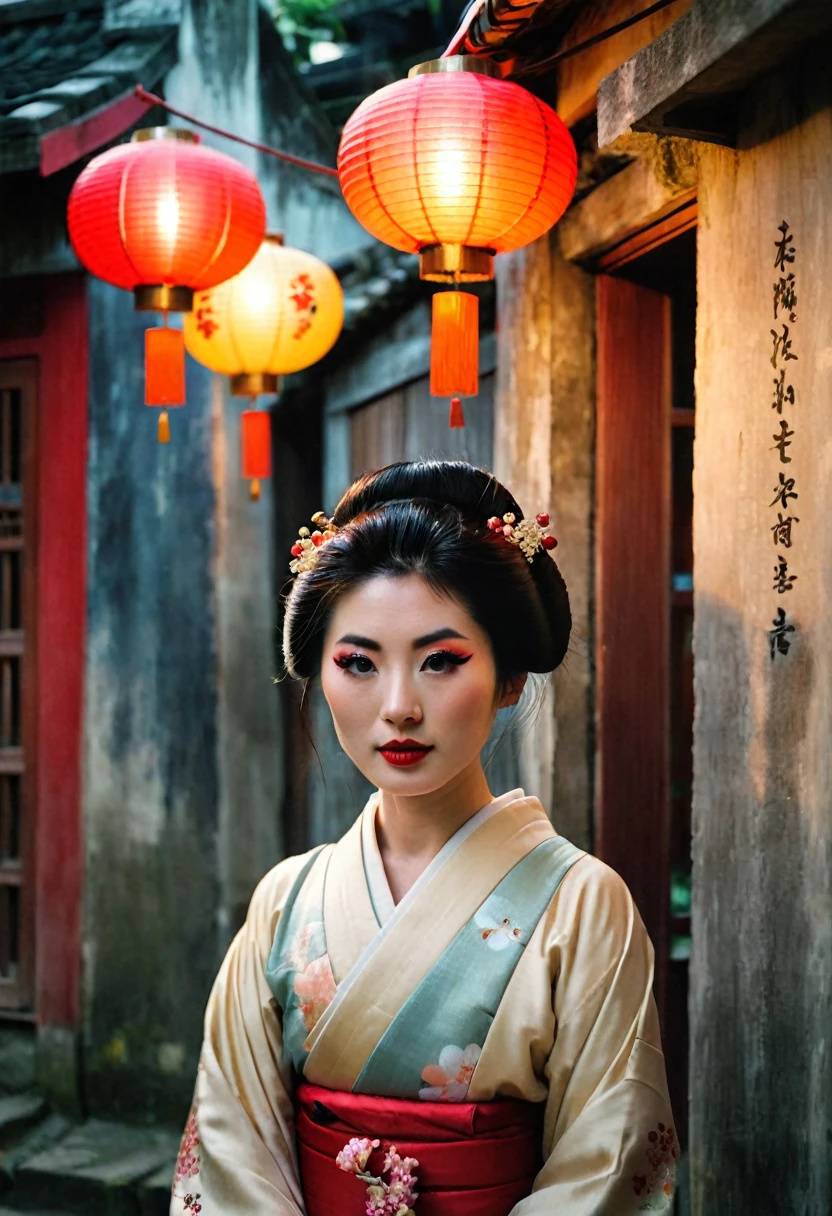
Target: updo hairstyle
429, 517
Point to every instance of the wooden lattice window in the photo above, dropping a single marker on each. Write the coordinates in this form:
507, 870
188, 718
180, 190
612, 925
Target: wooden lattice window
18, 405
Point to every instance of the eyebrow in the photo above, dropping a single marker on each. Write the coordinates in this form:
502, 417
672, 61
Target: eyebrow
355, 639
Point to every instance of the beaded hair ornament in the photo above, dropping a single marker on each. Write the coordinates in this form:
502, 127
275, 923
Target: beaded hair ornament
530, 535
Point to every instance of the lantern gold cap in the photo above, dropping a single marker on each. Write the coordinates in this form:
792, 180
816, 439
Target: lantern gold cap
275, 238
182, 133
249, 384
456, 63
162, 297
456, 263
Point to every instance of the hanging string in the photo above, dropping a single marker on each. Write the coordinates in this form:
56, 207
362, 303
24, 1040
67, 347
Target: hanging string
455, 47
150, 99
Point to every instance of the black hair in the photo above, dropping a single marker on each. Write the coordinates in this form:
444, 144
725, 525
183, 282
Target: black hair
429, 517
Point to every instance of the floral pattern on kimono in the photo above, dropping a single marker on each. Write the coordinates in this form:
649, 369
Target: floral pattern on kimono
187, 1167
450, 1079
497, 920
659, 1182
314, 983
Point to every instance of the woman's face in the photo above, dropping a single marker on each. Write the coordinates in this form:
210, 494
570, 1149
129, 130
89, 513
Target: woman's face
405, 666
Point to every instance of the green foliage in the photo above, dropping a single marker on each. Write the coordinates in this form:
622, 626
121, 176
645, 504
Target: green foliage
301, 22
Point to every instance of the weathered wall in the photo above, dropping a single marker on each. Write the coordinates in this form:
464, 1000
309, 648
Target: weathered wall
151, 759
761, 966
184, 768
543, 451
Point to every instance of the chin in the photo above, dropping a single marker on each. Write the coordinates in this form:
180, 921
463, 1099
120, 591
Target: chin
413, 780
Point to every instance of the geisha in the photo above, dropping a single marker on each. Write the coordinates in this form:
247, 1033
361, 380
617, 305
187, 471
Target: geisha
449, 1011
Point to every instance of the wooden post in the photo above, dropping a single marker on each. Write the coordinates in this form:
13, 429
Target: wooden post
633, 595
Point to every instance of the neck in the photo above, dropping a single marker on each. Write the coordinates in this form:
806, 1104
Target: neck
412, 830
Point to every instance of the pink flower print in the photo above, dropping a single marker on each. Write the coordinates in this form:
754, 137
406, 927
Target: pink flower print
315, 986
658, 1183
187, 1163
450, 1079
354, 1156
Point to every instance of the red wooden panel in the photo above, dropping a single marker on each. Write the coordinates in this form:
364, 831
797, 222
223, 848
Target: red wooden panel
633, 505
54, 772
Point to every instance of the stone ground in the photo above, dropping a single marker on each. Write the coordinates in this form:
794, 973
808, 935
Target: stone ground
52, 1166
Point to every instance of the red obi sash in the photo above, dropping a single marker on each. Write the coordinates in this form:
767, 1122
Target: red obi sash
475, 1158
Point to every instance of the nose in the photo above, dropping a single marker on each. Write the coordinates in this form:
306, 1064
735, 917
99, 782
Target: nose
400, 702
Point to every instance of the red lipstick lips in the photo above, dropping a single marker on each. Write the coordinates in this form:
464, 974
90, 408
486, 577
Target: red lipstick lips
403, 752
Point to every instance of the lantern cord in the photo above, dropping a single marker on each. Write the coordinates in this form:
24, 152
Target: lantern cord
150, 99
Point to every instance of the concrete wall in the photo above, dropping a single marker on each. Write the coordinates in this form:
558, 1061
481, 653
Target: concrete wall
761, 966
183, 761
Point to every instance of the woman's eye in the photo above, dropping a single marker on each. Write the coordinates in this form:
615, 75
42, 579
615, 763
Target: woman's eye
356, 664
445, 660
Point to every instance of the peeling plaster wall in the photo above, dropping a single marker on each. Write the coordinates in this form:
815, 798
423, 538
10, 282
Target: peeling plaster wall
761, 966
183, 786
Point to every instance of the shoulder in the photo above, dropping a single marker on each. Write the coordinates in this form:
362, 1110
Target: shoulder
593, 892
272, 891
593, 932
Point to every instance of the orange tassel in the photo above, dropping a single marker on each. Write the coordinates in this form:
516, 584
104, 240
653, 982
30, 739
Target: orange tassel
163, 428
164, 367
454, 359
456, 418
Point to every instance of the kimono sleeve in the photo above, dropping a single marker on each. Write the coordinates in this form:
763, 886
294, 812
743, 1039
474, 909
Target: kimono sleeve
237, 1156
609, 1138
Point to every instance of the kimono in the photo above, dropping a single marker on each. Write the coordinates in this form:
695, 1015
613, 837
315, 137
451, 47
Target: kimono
516, 968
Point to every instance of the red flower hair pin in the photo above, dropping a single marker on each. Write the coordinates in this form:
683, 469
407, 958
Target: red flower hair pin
305, 549
529, 534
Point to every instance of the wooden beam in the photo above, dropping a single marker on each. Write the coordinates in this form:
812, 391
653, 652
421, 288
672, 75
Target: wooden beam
687, 82
657, 183
578, 77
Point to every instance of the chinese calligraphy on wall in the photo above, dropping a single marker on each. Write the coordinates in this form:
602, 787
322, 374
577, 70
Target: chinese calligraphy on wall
784, 301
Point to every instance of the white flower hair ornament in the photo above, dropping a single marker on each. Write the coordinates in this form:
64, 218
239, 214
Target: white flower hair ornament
530, 535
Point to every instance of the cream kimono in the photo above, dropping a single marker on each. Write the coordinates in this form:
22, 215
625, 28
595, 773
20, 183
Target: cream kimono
516, 966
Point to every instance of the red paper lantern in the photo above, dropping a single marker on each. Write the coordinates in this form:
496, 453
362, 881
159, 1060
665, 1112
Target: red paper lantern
256, 448
456, 165
163, 217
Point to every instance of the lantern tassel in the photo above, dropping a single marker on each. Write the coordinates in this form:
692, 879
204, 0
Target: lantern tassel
454, 358
164, 373
255, 449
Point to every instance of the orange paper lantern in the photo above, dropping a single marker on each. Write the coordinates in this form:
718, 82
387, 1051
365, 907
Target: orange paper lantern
163, 217
256, 448
456, 165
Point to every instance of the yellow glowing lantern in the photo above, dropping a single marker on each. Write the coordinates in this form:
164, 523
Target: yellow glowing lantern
279, 315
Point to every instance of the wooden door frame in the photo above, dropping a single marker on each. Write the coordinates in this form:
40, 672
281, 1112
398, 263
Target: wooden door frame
61, 349
23, 374
632, 647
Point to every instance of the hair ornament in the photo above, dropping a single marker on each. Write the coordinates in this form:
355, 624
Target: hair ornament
305, 549
529, 534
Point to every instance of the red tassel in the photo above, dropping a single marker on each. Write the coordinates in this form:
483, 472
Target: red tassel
256, 446
456, 418
164, 367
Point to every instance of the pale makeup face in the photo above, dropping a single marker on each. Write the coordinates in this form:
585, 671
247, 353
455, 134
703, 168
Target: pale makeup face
404, 665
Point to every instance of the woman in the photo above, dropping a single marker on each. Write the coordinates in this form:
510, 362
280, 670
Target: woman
449, 1011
